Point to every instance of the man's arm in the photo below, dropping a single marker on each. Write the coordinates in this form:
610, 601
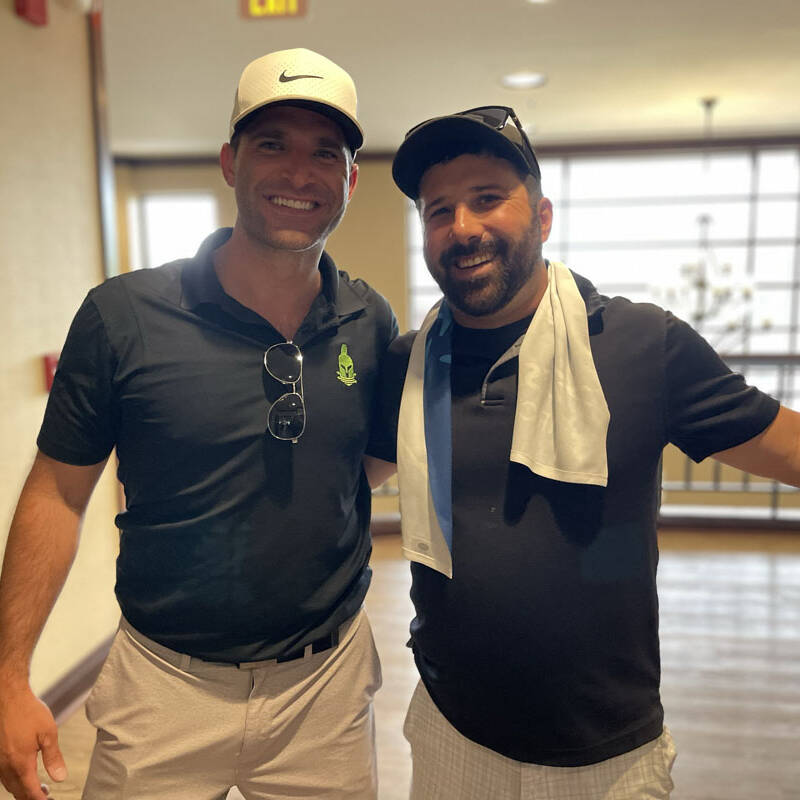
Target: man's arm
40, 550
378, 470
774, 453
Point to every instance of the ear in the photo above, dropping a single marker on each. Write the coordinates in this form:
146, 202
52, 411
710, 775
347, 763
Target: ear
353, 181
545, 209
227, 159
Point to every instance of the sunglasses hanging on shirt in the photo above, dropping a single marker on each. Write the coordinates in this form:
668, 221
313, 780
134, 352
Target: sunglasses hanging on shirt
286, 417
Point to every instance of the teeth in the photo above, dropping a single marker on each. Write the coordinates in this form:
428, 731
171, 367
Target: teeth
304, 205
473, 261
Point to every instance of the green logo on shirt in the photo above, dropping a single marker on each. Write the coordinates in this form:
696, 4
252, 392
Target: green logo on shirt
346, 373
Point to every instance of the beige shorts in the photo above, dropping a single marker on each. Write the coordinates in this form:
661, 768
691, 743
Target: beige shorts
448, 766
178, 728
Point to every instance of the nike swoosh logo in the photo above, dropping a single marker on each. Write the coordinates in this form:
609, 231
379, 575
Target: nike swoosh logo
283, 78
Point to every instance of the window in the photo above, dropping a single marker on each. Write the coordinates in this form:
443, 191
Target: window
711, 235
167, 226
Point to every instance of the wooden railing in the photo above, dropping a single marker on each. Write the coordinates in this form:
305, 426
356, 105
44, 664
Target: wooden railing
712, 494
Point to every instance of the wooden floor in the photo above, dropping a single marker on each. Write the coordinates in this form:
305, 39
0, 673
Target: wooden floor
730, 632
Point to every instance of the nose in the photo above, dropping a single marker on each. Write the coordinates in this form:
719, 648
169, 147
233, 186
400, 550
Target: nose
298, 169
466, 225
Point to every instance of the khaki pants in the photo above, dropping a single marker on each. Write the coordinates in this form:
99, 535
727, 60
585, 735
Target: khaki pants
171, 727
448, 766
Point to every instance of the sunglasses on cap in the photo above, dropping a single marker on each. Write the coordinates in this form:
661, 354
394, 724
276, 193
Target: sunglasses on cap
496, 117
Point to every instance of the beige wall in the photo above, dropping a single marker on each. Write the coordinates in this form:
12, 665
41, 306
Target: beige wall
370, 243
49, 258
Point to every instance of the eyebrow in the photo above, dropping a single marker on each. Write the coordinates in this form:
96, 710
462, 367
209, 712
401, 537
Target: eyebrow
472, 189
327, 141
487, 186
276, 132
266, 130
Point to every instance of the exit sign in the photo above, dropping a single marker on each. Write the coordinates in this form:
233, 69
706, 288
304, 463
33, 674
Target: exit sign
273, 9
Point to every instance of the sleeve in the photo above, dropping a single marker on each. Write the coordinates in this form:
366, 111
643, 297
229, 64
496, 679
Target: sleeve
392, 376
708, 407
79, 425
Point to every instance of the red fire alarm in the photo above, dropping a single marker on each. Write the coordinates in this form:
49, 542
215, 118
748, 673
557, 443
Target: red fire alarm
50, 366
35, 11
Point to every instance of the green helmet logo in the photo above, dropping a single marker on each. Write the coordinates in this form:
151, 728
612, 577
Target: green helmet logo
346, 373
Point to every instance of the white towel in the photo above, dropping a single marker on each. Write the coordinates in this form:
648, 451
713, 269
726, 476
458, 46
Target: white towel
561, 419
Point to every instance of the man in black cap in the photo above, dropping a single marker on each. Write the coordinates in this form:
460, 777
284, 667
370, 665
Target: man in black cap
238, 388
531, 422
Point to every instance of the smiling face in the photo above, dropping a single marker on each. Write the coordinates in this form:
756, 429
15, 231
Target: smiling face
293, 175
483, 234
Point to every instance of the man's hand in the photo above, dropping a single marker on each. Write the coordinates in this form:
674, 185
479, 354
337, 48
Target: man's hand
26, 727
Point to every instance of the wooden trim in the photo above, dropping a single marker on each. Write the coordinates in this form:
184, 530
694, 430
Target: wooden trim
699, 523
62, 695
389, 524
550, 150
104, 161
769, 359
666, 145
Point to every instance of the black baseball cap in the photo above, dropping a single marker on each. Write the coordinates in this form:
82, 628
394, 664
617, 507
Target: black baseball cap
443, 138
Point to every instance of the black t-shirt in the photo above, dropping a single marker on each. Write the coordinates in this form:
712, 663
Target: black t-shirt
544, 644
235, 546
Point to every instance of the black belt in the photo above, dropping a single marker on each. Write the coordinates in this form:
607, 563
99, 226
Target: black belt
317, 646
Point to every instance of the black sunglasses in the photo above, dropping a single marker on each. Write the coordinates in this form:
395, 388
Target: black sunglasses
497, 117
286, 417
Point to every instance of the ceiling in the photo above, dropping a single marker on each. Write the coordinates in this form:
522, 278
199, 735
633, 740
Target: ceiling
617, 69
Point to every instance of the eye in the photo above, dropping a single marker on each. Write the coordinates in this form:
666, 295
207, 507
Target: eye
329, 155
269, 144
439, 211
487, 199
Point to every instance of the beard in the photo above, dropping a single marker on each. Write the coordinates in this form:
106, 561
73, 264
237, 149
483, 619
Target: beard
515, 263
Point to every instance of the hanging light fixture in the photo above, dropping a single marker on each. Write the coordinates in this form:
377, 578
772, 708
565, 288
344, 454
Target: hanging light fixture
711, 290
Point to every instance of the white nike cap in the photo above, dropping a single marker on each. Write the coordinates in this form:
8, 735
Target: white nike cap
302, 78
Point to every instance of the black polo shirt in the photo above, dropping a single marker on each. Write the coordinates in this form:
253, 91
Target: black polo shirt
235, 546
544, 644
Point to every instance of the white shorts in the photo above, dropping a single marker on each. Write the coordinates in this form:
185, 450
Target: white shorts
448, 766
171, 726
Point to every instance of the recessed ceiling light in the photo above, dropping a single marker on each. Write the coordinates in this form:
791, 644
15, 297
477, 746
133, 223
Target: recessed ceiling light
539, 2
523, 80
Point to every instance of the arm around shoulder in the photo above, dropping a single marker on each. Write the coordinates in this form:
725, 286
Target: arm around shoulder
378, 471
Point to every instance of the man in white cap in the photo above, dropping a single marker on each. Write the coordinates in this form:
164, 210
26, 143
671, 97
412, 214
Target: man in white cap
533, 412
238, 387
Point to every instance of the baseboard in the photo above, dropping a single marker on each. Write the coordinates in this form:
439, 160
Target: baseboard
63, 694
